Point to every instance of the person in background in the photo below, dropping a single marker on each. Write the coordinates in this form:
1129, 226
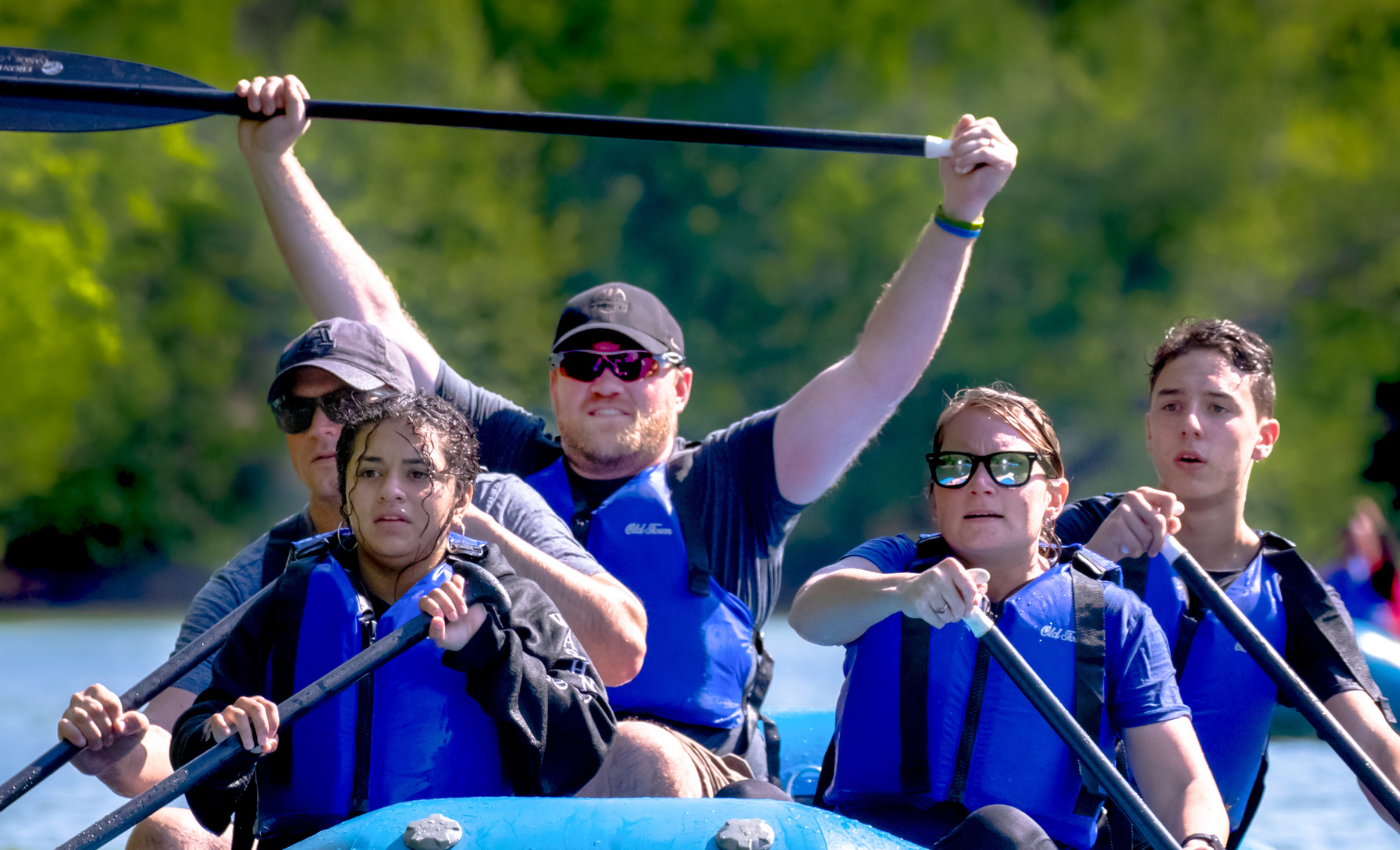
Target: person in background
332, 364
696, 529
1365, 576
500, 702
1210, 419
934, 742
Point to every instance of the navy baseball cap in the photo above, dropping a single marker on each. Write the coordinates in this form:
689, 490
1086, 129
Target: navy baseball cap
357, 353
624, 309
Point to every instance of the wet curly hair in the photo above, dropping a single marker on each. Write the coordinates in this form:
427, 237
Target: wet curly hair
437, 422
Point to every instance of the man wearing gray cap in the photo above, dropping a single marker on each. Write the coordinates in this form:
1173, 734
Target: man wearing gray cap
336, 363
696, 529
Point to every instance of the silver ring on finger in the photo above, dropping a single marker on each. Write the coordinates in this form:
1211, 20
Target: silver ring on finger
942, 610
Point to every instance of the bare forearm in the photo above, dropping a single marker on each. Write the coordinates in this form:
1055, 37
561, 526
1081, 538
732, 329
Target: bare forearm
334, 275
1364, 722
1190, 809
837, 607
608, 618
812, 444
1175, 780
146, 764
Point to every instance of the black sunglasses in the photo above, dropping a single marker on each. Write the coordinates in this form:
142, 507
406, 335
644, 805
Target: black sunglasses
954, 469
295, 413
588, 365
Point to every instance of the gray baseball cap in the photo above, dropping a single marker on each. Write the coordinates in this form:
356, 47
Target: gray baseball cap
357, 353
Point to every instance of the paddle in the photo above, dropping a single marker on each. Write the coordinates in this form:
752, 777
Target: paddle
48, 91
141, 693
482, 587
210, 761
1268, 658
1074, 736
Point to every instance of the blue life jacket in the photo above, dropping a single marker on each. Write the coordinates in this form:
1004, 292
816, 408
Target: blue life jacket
1231, 698
407, 731
700, 639
981, 740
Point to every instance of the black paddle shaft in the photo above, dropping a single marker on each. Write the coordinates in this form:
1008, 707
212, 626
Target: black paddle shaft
212, 760
1288, 681
48, 91
1074, 736
141, 693
180, 102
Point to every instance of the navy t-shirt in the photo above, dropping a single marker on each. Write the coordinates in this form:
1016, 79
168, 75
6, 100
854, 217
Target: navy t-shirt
1305, 649
1140, 686
731, 484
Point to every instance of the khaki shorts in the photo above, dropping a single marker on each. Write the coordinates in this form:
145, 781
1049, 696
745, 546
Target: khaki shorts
715, 771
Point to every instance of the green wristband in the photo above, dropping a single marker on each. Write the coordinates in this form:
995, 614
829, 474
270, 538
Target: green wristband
961, 225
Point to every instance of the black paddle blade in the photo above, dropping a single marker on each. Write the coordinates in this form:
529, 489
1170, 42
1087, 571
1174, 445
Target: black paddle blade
23, 70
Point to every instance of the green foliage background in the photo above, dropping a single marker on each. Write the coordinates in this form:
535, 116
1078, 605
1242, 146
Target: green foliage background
1227, 158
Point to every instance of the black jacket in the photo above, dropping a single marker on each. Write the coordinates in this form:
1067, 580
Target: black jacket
525, 669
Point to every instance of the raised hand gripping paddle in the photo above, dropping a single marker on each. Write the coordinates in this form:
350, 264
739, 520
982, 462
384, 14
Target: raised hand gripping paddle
48, 91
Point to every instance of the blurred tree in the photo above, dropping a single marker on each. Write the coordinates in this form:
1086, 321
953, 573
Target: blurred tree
1178, 159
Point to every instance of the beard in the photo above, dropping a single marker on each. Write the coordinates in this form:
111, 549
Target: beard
611, 455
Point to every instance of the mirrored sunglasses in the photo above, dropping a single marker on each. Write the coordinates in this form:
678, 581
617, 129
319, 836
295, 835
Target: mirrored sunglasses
587, 365
955, 469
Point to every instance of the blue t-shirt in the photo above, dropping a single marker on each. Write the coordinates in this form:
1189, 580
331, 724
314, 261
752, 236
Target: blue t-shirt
731, 483
1140, 687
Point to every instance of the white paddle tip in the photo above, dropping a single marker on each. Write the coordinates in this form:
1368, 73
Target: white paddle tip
1171, 550
936, 148
978, 622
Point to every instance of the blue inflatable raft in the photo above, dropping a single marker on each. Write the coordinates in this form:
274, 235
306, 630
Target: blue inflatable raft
516, 823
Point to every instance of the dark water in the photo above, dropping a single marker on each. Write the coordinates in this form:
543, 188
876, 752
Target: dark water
1312, 801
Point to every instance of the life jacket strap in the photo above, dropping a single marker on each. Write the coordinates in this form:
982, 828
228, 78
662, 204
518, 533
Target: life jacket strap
280, 540
1089, 655
972, 715
1303, 582
913, 682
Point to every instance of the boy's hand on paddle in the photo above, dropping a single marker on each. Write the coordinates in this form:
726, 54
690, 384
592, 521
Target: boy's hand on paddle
96, 721
253, 719
981, 161
942, 594
454, 622
1139, 525
273, 137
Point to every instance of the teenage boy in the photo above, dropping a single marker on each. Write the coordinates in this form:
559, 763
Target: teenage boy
1209, 420
334, 362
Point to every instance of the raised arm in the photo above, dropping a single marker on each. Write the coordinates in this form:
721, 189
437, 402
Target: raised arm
332, 272
838, 603
820, 430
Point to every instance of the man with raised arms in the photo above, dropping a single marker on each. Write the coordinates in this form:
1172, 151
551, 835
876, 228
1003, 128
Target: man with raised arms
1209, 420
334, 363
696, 529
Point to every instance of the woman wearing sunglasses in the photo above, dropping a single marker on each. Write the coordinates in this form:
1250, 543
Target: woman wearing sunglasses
933, 742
